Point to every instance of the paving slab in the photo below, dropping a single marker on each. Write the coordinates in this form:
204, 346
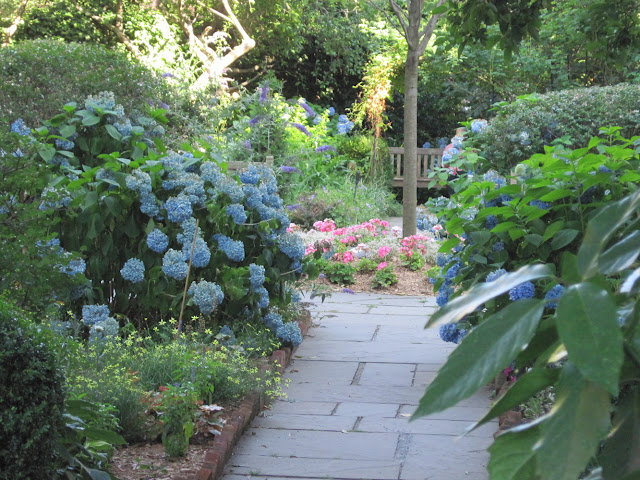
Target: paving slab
353, 385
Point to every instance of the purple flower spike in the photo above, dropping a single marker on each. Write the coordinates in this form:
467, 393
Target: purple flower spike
302, 128
326, 148
167, 75
348, 290
264, 91
247, 144
308, 109
256, 119
287, 169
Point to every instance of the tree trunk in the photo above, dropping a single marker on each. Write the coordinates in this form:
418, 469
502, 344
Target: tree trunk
410, 188
11, 30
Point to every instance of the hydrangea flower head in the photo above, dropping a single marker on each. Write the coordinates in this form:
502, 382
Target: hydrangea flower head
290, 333
554, 294
94, 313
273, 321
206, 295
233, 249
478, 125
178, 208
490, 222
157, 241
20, 128
540, 204
250, 176
201, 253
133, 270
495, 275
174, 264
426, 145
256, 275
524, 290
449, 332
237, 213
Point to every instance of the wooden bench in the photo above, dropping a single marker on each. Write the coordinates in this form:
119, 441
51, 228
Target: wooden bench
428, 159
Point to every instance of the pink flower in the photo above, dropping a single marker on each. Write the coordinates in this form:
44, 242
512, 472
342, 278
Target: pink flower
383, 251
384, 232
347, 257
382, 265
437, 228
310, 249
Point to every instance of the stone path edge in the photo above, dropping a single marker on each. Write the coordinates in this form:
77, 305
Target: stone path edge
217, 456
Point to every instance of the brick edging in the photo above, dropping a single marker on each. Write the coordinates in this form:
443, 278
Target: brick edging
217, 456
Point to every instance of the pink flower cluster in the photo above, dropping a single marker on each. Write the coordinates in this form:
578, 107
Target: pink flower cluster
382, 265
346, 257
414, 243
326, 225
384, 251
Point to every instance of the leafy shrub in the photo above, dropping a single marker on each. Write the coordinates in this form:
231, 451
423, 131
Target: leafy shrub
384, 277
340, 273
359, 149
29, 269
367, 265
524, 127
31, 403
147, 219
61, 72
546, 271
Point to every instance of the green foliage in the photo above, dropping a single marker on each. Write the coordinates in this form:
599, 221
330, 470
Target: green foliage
64, 72
413, 262
29, 269
177, 406
528, 125
88, 441
384, 277
367, 265
31, 403
567, 243
117, 185
340, 273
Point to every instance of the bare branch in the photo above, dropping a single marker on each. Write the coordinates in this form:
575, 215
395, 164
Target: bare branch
11, 30
427, 31
402, 17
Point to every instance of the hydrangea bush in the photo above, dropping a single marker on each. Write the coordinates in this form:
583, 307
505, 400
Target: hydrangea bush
146, 220
543, 277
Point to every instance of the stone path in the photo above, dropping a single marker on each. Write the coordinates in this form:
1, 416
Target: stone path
354, 383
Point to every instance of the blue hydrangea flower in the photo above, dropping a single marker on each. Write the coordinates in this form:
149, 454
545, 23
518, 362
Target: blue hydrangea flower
540, 204
250, 176
206, 295
174, 264
426, 145
554, 294
495, 275
74, 267
20, 128
237, 213
493, 176
449, 332
490, 222
442, 298
133, 270
290, 333
256, 275
94, 313
104, 330
201, 253
442, 259
188, 231
64, 144
524, 290
157, 241
263, 301
178, 209
149, 204
273, 321
233, 249
291, 245
226, 336
478, 125
498, 247
453, 271
231, 188
457, 143
604, 169
331, 111
210, 172
442, 142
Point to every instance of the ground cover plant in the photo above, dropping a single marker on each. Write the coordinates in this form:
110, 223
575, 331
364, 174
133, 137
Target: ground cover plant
542, 274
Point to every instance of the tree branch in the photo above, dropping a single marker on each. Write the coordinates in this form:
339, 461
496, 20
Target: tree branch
401, 16
11, 30
427, 31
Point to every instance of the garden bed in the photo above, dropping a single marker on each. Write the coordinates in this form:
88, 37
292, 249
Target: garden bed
205, 458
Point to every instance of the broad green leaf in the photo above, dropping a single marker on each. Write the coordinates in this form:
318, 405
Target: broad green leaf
482, 292
575, 426
89, 120
620, 454
67, 130
480, 237
546, 336
113, 131
503, 227
489, 347
97, 474
601, 227
534, 239
449, 244
98, 434
46, 152
525, 387
621, 255
554, 195
588, 327
513, 456
563, 238
516, 233
552, 229
569, 267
